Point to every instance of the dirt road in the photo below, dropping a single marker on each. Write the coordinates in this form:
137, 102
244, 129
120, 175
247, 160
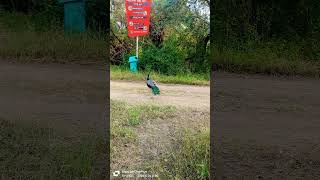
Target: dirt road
195, 97
266, 128
68, 97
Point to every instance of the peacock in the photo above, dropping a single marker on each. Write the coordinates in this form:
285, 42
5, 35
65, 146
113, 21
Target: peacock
152, 85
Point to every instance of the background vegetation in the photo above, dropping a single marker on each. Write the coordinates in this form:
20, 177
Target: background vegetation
45, 12
178, 40
33, 30
276, 37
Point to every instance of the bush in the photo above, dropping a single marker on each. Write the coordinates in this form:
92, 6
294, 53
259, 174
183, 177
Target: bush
167, 59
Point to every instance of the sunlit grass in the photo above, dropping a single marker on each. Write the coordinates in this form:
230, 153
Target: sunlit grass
190, 158
121, 73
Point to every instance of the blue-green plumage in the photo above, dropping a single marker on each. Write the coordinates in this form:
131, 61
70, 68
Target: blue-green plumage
153, 86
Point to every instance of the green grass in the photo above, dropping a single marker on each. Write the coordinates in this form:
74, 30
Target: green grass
24, 42
272, 58
33, 152
122, 73
125, 117
190, 158
125, 120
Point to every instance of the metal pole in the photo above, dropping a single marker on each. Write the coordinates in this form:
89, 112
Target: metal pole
137, 48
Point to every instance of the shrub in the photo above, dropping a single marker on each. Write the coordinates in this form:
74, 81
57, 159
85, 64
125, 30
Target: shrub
167, 59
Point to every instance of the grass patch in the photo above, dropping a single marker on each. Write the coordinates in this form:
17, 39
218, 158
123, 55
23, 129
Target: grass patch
189, 158
134, 116
125, 117
31, 152
123, 73
22, 41
124, 121
272, 59
126, 133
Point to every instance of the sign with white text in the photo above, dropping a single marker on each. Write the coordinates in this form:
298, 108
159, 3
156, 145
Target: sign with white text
138, 17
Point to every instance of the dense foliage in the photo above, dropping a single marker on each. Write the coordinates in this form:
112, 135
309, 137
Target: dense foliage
178, 40
281, 27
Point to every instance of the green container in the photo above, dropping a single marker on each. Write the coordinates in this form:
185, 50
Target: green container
74, 15
133, 60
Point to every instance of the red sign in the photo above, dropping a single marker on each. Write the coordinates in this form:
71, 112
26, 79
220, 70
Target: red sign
138, 17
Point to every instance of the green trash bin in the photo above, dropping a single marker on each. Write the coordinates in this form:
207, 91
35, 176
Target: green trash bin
74, 15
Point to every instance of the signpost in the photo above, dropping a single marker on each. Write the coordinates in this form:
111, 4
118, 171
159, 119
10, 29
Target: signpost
138, 19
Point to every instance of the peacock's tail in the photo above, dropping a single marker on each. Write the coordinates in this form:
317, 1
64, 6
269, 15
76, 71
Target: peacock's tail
155, 90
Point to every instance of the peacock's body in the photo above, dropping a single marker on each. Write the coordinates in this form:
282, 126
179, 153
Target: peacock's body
153, 86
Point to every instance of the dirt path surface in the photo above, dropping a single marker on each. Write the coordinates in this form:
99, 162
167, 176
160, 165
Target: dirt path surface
64, 96
195, 97
266, 128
